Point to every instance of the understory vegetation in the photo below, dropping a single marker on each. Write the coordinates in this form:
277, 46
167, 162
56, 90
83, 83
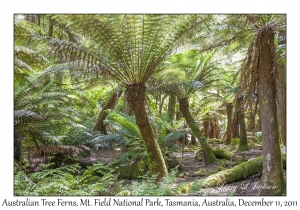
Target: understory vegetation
149, 105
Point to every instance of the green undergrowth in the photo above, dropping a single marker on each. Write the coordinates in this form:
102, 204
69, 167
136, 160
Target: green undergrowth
148, 186
67, 180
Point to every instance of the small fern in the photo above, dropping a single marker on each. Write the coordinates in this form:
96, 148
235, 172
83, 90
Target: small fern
67, 180
149, 187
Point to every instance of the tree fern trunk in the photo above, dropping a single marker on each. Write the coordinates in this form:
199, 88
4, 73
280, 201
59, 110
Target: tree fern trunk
136, 95
272, 166
235, 124
243, 144
171, 107
208, 154
50, 27
206, 126
110, 104
126, 108
229, 108
281, 95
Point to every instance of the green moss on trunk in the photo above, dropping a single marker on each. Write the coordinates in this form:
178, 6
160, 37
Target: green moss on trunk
239, 172
243, 144
208, 154
136, 95
222, 153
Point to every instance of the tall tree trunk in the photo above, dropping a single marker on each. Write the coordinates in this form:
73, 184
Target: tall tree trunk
236, 125
171, 107
51, 26
206, 125
110, 104
251, 117
272, 175
243, 144
208, 154
126, 108
136, 95
17, 145
161, 103
214, 131
229, 108
281, 95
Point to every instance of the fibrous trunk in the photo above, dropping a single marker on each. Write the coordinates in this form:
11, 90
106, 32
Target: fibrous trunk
136, 95
17, 144
272, 175
171, 107
208, 154
214, 130
110, 104
126, 108
229, 108
235, 124
281, 95
243, 144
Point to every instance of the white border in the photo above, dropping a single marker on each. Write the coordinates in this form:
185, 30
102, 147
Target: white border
8, 8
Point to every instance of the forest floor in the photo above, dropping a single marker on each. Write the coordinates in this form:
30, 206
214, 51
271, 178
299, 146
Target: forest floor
189, 170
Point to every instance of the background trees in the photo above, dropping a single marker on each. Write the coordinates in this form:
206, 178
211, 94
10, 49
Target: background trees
63, 62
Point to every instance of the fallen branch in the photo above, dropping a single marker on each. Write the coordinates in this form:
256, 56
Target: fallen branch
239, 172
222, 153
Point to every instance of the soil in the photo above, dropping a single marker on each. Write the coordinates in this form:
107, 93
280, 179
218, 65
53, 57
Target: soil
189, 165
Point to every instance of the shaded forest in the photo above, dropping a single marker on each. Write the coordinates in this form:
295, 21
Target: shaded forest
130, 104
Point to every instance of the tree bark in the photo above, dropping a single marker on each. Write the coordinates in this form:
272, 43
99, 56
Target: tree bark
51, 26
17, 145
229, 108
272, 167
281, 95
243, 144
206, 126
126, 108
208, 154
110, 104
236, 125
171, 107
136, 94
251, 117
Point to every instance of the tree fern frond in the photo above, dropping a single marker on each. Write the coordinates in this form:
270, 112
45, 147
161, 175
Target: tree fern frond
175, 135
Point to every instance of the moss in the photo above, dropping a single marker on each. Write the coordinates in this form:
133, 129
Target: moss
221, 168
224, 163
216, 141
222, 153
241, 171
124, 193
243, 147
235, 141
202, 172
239, 159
